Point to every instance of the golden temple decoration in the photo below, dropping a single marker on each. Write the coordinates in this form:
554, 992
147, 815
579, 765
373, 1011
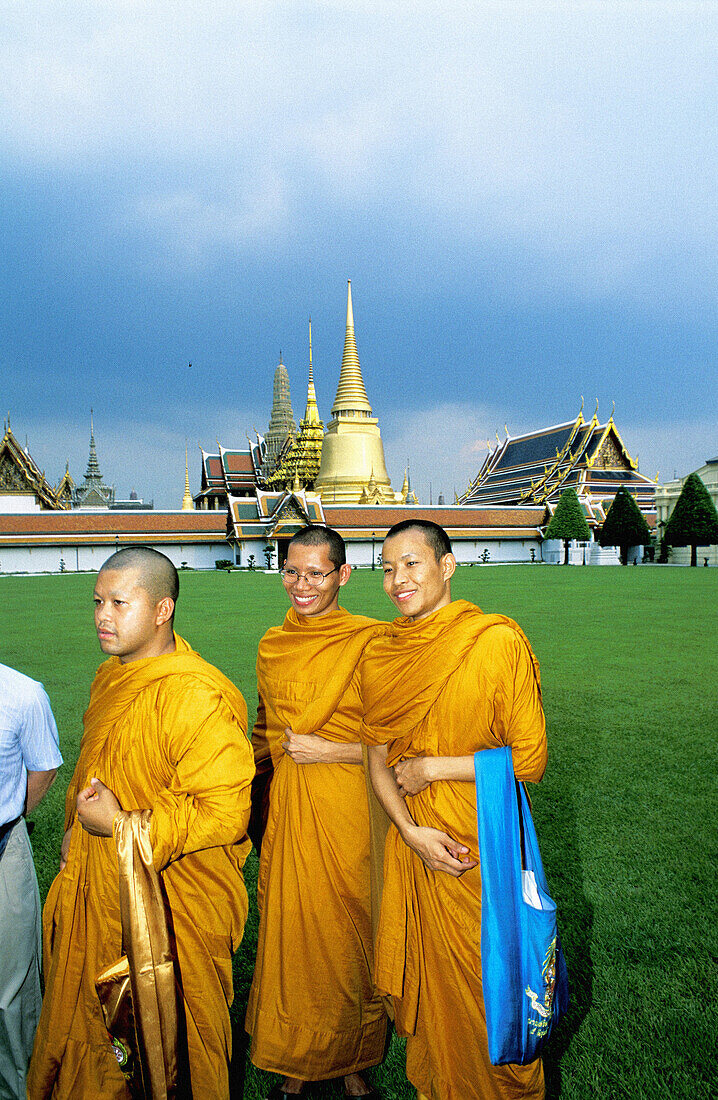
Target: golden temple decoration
187, 502
353, 452
299, 462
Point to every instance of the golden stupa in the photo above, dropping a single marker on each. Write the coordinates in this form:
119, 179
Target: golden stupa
353, 470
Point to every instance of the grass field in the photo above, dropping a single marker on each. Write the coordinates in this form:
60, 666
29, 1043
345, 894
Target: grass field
626, 814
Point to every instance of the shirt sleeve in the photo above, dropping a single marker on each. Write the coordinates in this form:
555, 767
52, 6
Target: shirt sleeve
206, 803
518, 711
39, 740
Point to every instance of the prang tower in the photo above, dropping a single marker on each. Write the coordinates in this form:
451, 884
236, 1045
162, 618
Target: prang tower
353, 469
282, 423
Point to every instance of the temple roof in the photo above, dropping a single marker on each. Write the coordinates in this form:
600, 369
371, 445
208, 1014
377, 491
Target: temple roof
274, 513
226, 471
536, 467
105, 527
21, 476
459, 521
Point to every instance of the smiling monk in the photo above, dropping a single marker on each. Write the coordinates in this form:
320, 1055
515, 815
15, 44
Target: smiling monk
165, 749
443, 683
313, 1012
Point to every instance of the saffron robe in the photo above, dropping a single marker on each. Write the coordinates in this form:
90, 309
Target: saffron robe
313, 1012
166, 734
448, 685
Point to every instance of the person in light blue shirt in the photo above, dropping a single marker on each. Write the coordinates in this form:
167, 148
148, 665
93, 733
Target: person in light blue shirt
29, 759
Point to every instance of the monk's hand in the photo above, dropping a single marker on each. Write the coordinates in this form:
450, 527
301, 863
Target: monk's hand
413, 775
65, 848
438, 851
97, 808
307, 748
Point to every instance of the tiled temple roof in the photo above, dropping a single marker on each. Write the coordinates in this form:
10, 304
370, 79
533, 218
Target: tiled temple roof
105, 527
535, 468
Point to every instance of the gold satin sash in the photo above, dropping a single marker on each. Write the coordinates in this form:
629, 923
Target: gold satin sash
146, 940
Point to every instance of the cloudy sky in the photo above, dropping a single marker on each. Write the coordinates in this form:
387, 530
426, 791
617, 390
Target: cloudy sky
523, 195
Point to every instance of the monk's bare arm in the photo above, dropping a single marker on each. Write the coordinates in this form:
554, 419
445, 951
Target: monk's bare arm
310, 748
435, 848
418, 772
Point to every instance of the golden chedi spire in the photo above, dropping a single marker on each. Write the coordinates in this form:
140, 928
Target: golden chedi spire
351, 395
187, 502
353, 452
311, 413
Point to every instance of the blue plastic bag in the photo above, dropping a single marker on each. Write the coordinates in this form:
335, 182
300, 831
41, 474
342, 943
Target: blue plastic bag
522, 965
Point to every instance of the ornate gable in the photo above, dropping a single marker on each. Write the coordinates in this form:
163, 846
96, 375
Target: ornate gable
21, 476
610, 452
12, 478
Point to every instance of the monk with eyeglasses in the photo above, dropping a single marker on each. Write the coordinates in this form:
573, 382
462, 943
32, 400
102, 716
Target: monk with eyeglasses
313, 1012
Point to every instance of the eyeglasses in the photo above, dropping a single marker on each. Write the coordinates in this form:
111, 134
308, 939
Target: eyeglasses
315, 579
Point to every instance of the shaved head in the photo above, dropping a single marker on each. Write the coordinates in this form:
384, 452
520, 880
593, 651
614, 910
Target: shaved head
317, 535
435, 536
155, 572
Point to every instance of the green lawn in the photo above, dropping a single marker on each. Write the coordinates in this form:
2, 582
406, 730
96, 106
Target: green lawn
626, 814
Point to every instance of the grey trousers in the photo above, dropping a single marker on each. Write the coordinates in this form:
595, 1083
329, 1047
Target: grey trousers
20, 948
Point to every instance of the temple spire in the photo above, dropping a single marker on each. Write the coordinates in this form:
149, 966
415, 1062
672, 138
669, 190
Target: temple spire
311, 414
351, 399
187, 502
281, 423
93, 467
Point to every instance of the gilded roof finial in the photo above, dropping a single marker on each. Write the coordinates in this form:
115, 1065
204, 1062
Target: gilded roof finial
187, 502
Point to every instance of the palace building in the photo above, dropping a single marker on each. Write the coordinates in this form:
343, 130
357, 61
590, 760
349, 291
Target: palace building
229, 472
535, 469
252, 499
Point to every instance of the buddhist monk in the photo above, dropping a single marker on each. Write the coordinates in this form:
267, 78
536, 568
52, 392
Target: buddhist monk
313, 1012
443, 683
164, 733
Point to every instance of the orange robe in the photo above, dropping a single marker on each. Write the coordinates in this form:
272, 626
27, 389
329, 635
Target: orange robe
313, 1012
448, 685
166, 734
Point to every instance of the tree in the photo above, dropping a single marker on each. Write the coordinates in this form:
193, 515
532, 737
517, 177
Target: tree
694, 520
568, 521
625, 525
